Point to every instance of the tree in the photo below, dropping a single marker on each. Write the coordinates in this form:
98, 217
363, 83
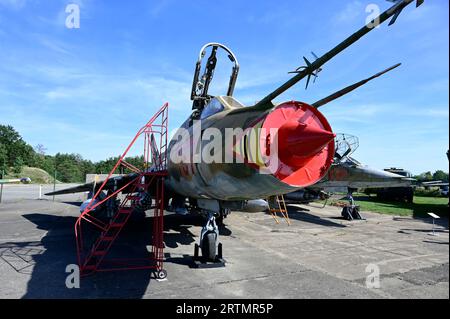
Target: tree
71, 167
40, 149
15, 146
18, 165
3, 159
440, 175
427, 176
15, 152
137, 161
104, 167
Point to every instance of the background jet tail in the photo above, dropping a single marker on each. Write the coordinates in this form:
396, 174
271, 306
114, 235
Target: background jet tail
156, 157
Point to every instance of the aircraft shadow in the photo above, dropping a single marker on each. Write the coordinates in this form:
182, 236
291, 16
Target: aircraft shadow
46, 260
75, 203
57, 249
436, 242
424, 230
177, 229
178, 232
301, 214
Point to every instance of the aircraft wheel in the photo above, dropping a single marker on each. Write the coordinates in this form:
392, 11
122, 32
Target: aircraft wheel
161, 274
209, 246
346, 213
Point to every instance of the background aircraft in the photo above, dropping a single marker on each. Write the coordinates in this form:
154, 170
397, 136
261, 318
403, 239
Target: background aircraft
23, 180
347, 175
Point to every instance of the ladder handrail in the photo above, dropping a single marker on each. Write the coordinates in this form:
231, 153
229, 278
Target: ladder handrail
149, 124
93, 258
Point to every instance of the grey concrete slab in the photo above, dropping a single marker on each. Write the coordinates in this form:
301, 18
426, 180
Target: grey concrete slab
318, 256
15, 192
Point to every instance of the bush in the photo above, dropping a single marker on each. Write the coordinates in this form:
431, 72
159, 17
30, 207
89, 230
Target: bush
434, 192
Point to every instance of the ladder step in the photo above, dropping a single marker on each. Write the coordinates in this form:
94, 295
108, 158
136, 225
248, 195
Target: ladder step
99, 253
126, 210
89, 267
116, 225
133, 197
107, 238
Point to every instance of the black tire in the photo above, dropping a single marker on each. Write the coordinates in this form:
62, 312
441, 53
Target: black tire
161, 274
138, 214
145, 203
209, 246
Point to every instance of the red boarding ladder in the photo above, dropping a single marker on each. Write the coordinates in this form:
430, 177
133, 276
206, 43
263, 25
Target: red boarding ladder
93, 259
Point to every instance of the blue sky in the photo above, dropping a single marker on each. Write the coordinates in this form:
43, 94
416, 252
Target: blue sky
89, 90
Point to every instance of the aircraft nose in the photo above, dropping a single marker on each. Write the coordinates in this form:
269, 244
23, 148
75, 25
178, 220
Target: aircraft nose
302, 140
301, 150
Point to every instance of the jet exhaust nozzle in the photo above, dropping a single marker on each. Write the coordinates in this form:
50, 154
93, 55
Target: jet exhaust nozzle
305, 143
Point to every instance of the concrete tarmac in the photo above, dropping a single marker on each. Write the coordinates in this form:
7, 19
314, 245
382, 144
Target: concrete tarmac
319, 256
15, 192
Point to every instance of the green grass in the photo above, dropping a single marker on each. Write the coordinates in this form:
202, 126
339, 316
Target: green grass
37, 175
419, 208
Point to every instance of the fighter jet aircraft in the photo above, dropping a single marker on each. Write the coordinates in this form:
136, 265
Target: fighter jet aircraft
347, 175
226, 154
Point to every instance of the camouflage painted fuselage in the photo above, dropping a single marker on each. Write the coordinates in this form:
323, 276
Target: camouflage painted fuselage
352, 174
224, 180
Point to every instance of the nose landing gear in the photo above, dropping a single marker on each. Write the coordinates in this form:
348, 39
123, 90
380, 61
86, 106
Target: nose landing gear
210, 247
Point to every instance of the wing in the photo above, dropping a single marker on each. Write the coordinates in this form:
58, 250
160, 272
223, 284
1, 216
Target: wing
113, 182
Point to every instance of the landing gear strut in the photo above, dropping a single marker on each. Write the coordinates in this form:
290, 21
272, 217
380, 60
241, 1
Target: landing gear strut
210, 247
351, 211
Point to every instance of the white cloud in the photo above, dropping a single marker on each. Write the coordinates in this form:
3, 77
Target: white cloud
157, 7
112, 90
349, 13
54, 45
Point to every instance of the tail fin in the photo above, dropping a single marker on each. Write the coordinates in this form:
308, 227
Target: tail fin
156, 157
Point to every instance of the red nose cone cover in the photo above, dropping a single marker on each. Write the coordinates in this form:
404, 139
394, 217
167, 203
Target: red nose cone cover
305, 143
298, 139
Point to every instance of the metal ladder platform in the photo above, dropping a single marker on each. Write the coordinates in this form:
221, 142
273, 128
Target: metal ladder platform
102, 234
